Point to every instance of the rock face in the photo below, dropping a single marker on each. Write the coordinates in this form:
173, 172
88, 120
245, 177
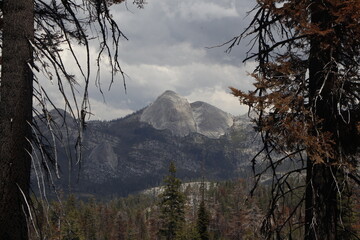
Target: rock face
132, 153
211, 121
174, 113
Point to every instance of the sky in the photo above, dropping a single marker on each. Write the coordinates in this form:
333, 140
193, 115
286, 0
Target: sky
169, 47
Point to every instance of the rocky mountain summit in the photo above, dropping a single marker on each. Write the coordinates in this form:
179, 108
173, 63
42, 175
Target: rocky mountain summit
132, 153
175, 113
211, 121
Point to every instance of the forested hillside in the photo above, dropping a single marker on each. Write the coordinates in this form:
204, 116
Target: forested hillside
130, 154
233, 214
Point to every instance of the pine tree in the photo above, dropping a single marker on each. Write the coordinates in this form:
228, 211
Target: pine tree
306, 106
172, 204
17, 31
203, 217
34, 36
203, 221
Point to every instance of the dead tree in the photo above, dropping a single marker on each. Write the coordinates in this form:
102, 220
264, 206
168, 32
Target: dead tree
306, 107
33, 35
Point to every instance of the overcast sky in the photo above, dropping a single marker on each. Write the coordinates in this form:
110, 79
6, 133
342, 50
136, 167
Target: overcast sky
168, 50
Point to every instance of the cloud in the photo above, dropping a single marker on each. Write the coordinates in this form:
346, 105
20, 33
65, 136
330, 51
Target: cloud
200, 10
196, 81
167, 50
177, 53
100, 110
219, 98
164, 25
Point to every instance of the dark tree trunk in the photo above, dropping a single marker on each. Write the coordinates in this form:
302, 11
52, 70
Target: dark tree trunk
321, 203
15, 117
321, 214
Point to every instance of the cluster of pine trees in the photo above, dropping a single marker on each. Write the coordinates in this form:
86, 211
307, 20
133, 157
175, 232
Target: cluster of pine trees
194, 211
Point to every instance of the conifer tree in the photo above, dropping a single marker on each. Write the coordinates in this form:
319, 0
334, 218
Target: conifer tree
306, 107
203, 221
34, 36
172, 204
203, 218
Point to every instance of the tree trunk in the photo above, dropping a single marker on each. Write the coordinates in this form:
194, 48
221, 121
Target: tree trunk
321, 203
321, 207
15, 117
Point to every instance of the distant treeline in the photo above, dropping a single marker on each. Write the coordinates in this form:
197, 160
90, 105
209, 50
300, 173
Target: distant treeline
233, 214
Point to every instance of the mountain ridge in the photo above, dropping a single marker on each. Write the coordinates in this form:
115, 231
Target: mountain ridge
130, 154
173, 112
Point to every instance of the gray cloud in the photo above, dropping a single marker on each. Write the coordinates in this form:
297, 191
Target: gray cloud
167, 50
200, 23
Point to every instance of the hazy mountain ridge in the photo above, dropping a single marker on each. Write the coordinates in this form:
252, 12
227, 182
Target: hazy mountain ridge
129, 154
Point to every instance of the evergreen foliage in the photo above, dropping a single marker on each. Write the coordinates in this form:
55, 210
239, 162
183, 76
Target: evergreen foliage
172, 204
231, 216
203, 221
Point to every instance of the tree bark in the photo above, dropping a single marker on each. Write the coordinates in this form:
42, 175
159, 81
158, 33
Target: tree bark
321, 207
321, 214
15, 117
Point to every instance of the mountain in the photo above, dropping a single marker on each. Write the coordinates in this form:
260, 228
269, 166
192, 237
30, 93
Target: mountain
172, 112
175, 113
211, 121
132, 153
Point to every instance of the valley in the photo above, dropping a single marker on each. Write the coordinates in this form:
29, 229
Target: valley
130, 154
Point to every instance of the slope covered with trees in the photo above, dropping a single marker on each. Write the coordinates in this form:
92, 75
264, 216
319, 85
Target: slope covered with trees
232, 214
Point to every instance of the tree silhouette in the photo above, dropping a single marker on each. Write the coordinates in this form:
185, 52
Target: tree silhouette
172, 203
34, 33
306, 107
203, 221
